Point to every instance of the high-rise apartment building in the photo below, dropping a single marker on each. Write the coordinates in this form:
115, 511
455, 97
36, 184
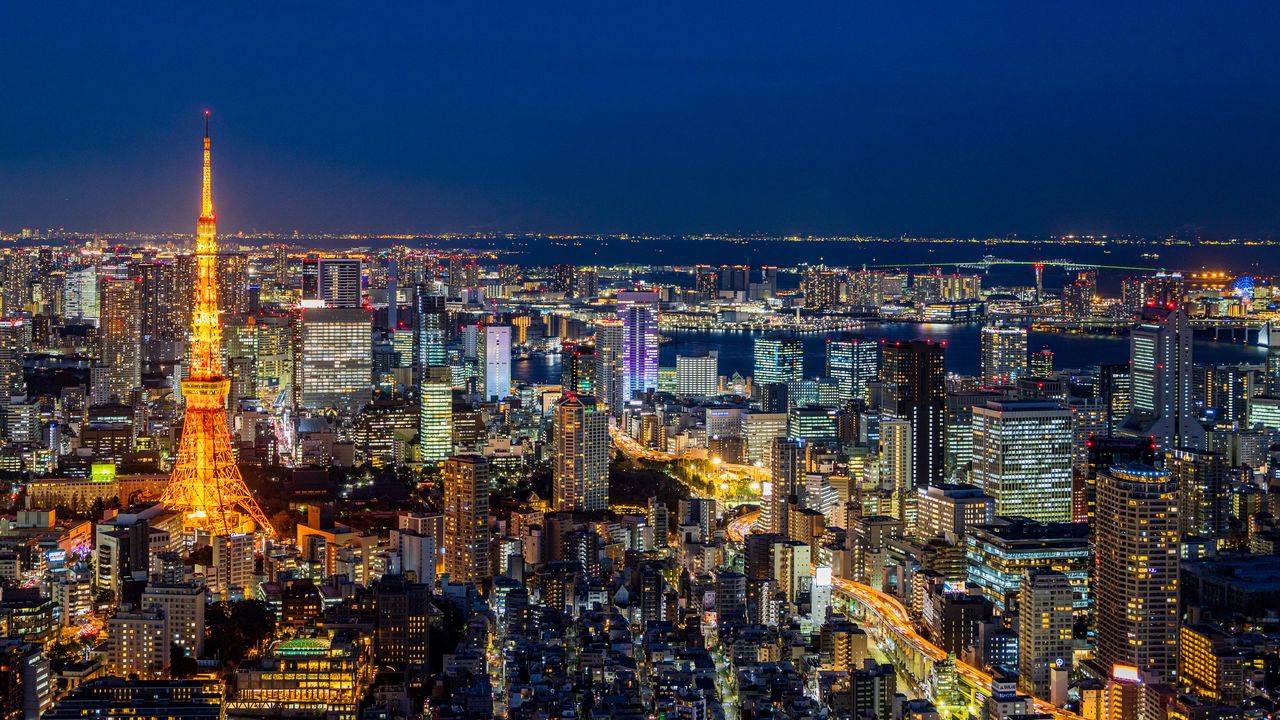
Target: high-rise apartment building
1022, 458
913, 377
1204, 500
1004, 354
121, 323
233, 284
580, 468
609, 351
466, 518
1045, 621
1136, 575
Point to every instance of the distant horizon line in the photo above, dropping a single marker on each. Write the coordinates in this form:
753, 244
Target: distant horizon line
277, 236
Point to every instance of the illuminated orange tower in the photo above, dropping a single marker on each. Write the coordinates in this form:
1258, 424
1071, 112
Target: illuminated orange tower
206, 485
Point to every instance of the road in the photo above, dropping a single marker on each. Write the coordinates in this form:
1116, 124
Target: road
892, 612
740, 527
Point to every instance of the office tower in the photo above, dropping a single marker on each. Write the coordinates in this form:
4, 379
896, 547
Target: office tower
578, 369
698, 376
580, 468
1004, 355
311, 277
815, 424
853, 362
609, 392
638, 311
1045, 621
15, 339
466, 518
913, 377
1041, 364
897, 469
769, 280
494, 361
782, 493
774, 397
1163, 381
233, 283
1114, 388
777, 360
948, 511
1204, 502
121, 359
335, 359
338, 282
1137, 570
1022, 458
735, 278
997, 555
429, 320
435, 408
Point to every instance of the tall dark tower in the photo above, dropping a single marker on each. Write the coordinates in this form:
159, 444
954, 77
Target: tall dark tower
914, 380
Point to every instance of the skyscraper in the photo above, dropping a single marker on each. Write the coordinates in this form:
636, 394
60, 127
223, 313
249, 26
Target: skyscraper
435, 415
1163, 381
853, 362
897, 470
1022, 458
1004, 354
698, 376
338, 282
80, 295
578, 369
1137, 570
428, 330
1045, 620
609, 392
786, 483
206, 486
777, 360
15, 338
335, 359
913, 376
233, 283
466, 518
580, 468
638, 311
494, 362
121, 359
1204, 505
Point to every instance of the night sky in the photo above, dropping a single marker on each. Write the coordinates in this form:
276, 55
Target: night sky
882, 118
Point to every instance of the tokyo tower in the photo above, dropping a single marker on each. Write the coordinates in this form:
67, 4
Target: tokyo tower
206, 485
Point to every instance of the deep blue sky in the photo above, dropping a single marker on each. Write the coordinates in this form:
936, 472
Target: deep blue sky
886, 118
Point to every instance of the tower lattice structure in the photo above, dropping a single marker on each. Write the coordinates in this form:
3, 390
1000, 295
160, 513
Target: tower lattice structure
206, 485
